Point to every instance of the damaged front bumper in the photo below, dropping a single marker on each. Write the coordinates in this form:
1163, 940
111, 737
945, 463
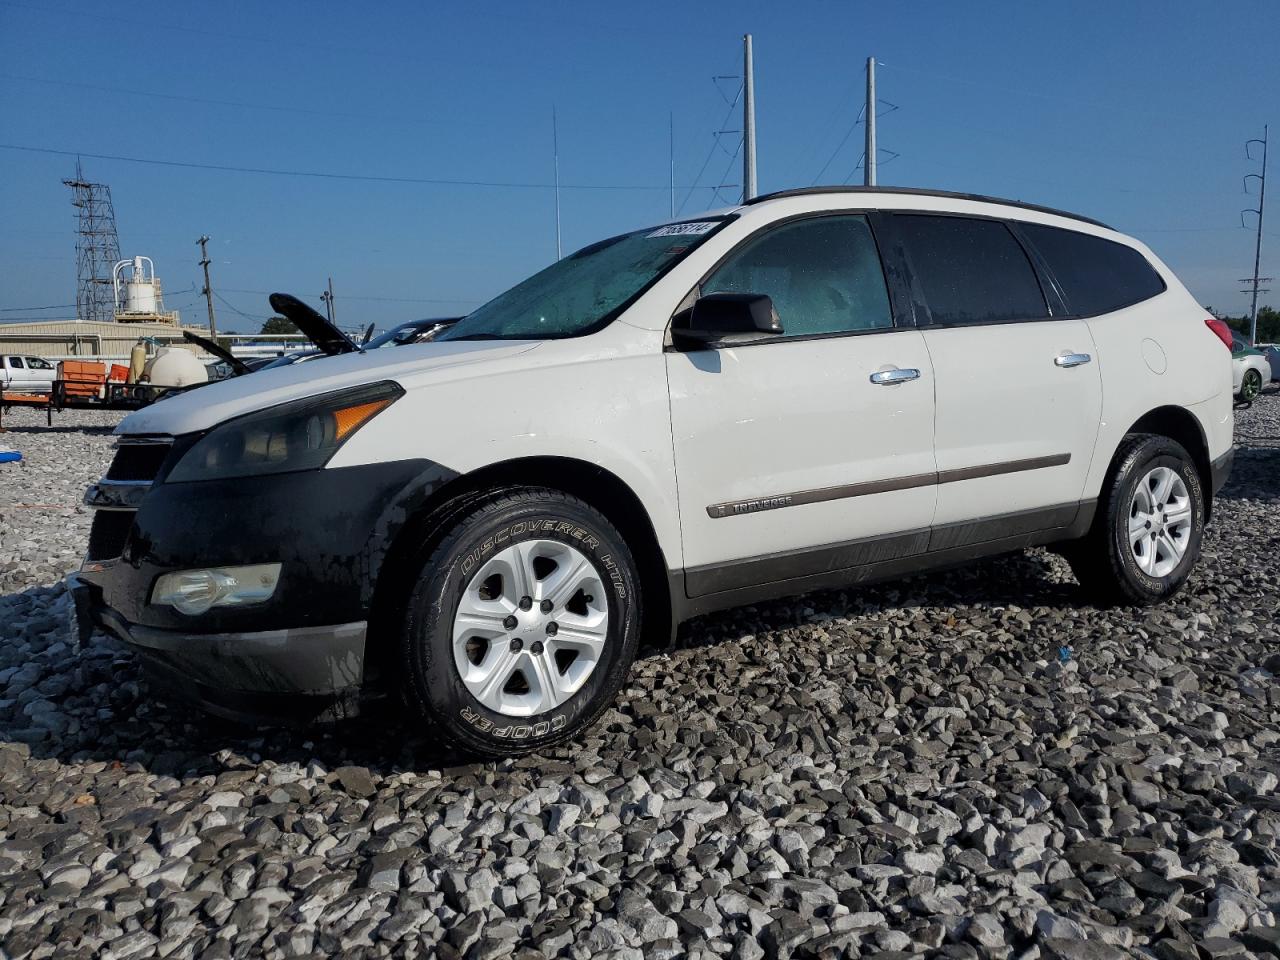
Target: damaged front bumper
301, 673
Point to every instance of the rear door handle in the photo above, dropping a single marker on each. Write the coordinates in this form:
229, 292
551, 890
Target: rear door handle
896, 375
1071, 359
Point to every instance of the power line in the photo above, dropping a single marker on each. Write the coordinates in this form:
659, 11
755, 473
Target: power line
153, 25
712, 152
369, 178
239, 104
840, 146
234, 309
53, 306
732, 157
349, 296
1020, 90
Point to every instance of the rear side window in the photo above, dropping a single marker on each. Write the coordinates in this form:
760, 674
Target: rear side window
971, 271
822, 273
1096, 275
16, 363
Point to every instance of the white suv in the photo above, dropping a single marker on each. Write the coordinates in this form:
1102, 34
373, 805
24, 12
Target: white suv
817, 388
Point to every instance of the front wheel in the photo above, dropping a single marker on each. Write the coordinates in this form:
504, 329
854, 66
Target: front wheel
1146, 535
1250, 386
522, 624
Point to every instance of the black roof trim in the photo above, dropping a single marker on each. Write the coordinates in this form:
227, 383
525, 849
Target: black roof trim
921, 192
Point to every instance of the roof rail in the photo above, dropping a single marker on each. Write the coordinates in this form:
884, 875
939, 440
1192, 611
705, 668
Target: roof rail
921, 192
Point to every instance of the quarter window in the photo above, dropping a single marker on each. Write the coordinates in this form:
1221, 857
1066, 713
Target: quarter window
1096, 275
822, 273
16, 363
971, 271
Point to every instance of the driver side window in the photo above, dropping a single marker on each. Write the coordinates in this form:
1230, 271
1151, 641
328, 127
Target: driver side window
822, 273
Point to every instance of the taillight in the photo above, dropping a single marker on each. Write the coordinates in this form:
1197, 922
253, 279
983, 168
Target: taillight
1220, 328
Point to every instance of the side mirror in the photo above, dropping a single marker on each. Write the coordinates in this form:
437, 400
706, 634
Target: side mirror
726, 318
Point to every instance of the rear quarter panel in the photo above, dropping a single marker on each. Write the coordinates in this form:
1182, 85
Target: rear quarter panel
1159, 353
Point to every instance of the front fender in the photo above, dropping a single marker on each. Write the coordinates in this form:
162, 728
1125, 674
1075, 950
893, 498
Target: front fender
611, 411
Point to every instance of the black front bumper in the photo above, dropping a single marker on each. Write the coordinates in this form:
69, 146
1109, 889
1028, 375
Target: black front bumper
272, 675
301, 652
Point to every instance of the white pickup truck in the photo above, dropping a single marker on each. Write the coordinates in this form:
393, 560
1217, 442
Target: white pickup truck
20, 374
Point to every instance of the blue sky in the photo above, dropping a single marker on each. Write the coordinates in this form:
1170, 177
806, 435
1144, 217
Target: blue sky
1131, 112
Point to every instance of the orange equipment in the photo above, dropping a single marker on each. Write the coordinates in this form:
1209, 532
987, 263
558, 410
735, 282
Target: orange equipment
83, 378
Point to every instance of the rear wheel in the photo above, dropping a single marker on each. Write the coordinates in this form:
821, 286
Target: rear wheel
522, 623
1146, 535
1250, 385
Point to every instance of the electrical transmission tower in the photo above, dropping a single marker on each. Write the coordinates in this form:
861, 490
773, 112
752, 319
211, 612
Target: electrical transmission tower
1255, 282
97, 248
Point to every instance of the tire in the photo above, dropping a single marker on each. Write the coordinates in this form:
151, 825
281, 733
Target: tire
1143, 571
560, 537
1250, 386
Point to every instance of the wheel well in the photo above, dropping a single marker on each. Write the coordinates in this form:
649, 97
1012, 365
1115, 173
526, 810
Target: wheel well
1179, 424
586, 481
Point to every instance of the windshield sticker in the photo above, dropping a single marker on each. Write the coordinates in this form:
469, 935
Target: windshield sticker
683, 229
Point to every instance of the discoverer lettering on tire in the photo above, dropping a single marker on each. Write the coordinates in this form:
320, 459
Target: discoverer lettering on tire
521, 624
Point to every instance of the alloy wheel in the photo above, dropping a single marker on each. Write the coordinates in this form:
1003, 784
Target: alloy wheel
530, 627
1252, 385
1160, 516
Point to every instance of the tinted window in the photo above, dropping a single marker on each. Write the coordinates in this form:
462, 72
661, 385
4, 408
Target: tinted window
823, 275
1096, 275
16, 363
971, 271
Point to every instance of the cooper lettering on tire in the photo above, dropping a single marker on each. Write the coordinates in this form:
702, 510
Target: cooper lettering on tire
521, 624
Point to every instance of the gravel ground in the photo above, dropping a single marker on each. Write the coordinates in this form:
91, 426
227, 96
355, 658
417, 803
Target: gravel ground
968, 764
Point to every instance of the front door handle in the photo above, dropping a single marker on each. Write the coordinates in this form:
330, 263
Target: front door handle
896, 375
1071, 359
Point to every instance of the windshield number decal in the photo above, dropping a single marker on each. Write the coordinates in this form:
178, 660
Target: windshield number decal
683, 229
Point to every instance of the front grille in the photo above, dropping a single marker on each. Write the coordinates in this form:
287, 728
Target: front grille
138, 461
108, 534
136, 465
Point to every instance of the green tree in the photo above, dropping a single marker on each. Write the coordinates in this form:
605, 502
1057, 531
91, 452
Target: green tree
278, 325
1268, 323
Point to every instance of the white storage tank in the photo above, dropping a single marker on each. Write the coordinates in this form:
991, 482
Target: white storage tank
138, 291
175, 367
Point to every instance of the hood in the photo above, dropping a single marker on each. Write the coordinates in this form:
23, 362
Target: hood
314, 327
215, 349
201, 409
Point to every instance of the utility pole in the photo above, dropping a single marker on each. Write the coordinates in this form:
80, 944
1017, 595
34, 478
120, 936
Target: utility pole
748, 122
555, 149
208, 289
1256, 281
330, 310
671, 158
869, 157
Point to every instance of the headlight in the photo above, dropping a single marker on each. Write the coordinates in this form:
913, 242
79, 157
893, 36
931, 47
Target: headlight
195, 591
301, 435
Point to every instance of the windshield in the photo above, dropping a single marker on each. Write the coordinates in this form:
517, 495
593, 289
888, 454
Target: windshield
584, 291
